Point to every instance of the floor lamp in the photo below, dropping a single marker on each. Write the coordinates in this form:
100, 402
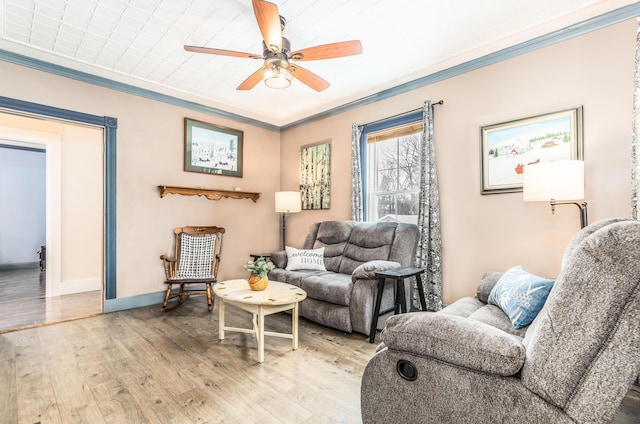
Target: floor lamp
287, 202
553, 181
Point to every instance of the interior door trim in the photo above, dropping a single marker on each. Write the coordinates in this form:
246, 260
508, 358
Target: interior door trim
110, 126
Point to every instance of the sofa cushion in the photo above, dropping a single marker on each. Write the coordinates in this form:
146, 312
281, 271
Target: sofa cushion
368, 242
463, 307
495, 317
333, 236
520, 295
329, 287
334, 232
291, 277
299, 259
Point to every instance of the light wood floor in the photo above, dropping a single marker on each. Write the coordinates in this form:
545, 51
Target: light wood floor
23, 301
142, 366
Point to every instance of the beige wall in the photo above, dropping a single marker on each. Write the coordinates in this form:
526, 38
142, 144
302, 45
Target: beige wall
82, 206
494, 232
480, 233
150, 153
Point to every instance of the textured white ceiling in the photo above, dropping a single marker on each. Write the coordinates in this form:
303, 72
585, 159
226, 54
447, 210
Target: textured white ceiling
140, 42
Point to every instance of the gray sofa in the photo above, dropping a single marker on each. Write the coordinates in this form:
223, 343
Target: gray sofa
343, 296
573, 364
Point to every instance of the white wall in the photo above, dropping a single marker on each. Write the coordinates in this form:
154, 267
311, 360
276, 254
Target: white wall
480, 233
494, 232
82, 217
150, 149
22, 208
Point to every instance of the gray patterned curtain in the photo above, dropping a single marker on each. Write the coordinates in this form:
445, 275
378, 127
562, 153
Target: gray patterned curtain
635, 135
429, 254
635, 149
356, 174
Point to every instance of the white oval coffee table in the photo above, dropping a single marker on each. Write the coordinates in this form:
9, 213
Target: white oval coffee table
277, 297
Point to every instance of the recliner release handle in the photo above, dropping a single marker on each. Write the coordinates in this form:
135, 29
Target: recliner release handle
407, 370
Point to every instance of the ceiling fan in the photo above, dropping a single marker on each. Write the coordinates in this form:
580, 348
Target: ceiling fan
278, 68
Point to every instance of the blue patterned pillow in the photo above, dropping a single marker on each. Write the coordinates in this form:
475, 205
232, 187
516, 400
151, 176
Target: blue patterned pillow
520, 295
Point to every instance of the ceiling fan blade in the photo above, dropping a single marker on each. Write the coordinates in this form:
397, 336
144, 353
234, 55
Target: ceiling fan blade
253, 79
308, 78
269, 22
221, 52
329, 51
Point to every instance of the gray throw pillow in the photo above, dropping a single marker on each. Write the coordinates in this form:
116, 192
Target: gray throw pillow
485, 285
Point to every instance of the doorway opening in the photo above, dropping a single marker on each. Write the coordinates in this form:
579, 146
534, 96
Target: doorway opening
71, 283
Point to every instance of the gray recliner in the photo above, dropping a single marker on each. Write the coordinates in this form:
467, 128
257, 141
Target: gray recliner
573, 364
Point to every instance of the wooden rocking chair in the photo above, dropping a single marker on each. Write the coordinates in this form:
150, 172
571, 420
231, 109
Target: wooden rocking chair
195, 262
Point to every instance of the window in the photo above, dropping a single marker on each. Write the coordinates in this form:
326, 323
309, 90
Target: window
392, 170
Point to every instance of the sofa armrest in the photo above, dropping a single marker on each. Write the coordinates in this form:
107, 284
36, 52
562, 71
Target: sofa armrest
279, 259
456, 340
367, 270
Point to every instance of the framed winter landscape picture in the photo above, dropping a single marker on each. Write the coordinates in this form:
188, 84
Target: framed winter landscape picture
212, 149
509, 147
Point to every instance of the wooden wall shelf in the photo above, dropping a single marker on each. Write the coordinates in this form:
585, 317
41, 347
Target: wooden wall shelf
209, 193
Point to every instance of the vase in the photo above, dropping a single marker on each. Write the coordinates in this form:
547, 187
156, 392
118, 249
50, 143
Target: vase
258, 283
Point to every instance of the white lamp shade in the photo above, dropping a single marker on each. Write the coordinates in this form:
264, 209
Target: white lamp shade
288, 201
559, 180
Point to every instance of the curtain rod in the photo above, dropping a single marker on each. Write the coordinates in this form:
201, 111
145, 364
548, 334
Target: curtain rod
440, 102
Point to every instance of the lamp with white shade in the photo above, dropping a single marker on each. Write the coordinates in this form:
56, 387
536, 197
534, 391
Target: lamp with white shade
556, 182
287, 202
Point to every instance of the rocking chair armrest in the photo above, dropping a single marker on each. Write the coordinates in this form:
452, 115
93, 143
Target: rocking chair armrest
169, 266
216, 266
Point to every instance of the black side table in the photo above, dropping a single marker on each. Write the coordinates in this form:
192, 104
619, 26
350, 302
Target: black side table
398, 276
256, 256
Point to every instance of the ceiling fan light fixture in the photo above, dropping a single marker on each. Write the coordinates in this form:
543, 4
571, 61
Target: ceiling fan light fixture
278, 71
277, 77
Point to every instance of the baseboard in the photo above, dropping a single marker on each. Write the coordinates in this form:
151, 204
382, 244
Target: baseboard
123, 303
21, 265
80, 286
